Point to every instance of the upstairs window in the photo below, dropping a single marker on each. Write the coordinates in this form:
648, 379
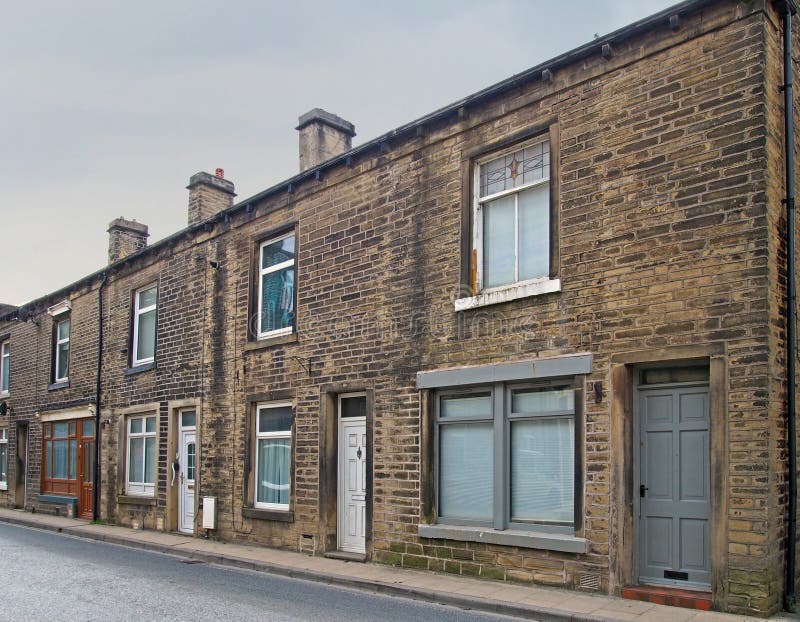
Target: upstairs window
144, 325
512, 216
5, 364
61, 350
276, 286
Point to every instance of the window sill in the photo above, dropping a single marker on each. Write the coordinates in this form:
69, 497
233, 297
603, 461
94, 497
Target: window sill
270, 341
524, 539
130, 371
281, 516
134, 500
64, 384
507, 294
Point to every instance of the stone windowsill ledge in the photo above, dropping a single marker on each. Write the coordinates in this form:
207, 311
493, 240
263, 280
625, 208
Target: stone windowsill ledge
507, 294
281, 516
134, 500
63, 384
270, 341
511, 537
138, 369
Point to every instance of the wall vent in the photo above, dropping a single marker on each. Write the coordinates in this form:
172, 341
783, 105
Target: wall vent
589, 582
308, 544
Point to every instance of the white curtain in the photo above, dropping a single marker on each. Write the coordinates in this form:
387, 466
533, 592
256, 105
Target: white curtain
273, 470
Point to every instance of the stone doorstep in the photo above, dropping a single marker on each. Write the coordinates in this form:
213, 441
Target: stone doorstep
674, 597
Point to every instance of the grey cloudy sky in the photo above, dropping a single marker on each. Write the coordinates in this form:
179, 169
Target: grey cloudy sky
107, 108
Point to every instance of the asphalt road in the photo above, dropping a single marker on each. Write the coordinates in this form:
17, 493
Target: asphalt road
47, 576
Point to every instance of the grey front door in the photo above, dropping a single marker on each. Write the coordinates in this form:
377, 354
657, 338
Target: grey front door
674, 486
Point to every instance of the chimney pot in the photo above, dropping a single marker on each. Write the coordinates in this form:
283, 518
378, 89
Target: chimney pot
125, 237
323, 136
209, 195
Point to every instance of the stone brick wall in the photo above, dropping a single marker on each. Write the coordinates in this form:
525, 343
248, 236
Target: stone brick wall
668, 235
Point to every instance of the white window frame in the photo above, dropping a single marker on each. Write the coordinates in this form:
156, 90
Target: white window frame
529, 286
287, 330
141, 489
5, 364
137, 313
60, 342
4, 443
281, 434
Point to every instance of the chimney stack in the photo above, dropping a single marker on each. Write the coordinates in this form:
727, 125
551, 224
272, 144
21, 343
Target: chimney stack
125, 237
208, 195
323, 136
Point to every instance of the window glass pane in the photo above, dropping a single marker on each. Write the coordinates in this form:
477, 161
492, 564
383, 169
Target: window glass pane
63, 330
147, 297
49, 459
465, 471
60, 459
149, 460
136, 426
3, 462
543, 470
277, 299
135, 466
534, 232
188, 419
146, 335
63, 361
498, 241
275, 419
542, 399
354, 406
277, 252
72, 428
150, 425
479, 404
493, 177
536, 162
675, 374
190, 455
73, 459
60, 430
4, 368
88, 428
274, 456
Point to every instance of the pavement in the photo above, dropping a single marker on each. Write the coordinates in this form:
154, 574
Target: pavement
534, 602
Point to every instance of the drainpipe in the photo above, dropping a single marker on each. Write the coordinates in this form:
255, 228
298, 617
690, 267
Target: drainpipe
96, 487
788, 9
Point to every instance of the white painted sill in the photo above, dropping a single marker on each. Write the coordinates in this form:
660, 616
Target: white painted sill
3, 486
511, 537
509, 293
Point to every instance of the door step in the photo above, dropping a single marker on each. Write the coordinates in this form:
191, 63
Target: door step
347, 556
675, 597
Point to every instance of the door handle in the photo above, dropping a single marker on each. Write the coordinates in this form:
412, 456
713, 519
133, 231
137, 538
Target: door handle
642, 490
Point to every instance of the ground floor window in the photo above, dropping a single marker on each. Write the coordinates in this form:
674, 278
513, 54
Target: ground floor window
273, 456
4, 459
141, 455
506, 455
60, 468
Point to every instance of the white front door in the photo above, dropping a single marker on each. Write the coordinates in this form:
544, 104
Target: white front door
188, 468
352, 476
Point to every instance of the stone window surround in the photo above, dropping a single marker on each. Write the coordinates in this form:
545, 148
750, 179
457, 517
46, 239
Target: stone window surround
468, 297
575, 366
249, 489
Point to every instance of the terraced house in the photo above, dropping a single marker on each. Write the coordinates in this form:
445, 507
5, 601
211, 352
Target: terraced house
539, 335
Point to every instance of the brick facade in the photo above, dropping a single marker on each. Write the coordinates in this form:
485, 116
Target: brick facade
669, 246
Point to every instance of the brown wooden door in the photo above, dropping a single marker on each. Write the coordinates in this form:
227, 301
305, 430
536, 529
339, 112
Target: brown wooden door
22, 465
86, 469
